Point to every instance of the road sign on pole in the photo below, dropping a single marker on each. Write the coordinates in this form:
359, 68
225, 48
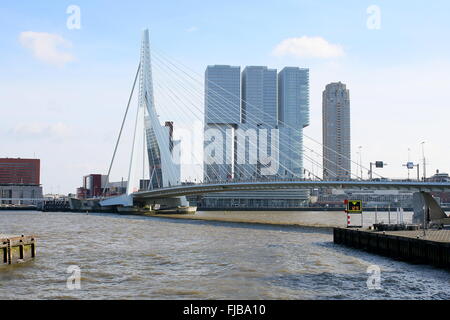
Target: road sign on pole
354, 206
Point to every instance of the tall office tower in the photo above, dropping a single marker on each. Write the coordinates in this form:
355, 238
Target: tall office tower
222, 115
259, 112
259, 97
336, 132
293, 116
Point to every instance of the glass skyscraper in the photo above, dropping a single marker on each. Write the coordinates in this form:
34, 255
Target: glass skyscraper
259, 97
222, 115
293, 116
259, 112
269, 101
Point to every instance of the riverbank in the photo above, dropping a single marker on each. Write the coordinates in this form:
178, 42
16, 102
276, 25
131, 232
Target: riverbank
18, 208
324, 220
242, 221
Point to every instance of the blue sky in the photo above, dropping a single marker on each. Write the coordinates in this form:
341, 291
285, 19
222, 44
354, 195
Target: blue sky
68, 113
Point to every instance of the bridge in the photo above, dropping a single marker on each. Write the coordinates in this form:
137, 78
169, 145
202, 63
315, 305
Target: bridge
204, 188
164, 182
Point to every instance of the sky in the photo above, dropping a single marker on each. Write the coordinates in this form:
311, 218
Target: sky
66, 70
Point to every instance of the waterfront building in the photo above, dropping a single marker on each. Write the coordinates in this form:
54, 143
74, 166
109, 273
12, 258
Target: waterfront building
222, 115
20, 171
259, 96
259, 112
370, 198
93, 185
293, 117
260, 109
336, 132
20, 180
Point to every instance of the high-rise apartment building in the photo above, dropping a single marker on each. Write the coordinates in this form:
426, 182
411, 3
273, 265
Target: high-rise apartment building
259, 97
336, 132
270, 101
293, 116
259, 112
222, 115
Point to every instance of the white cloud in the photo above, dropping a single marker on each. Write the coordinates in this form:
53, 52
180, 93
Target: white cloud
47, 47
308, 47
38, 130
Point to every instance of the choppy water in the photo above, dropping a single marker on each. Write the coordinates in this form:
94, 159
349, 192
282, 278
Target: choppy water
155, 258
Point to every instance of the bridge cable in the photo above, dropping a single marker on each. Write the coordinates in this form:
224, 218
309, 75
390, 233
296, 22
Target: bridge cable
281, 152
286, 135
325, 147
242, 168
121, 129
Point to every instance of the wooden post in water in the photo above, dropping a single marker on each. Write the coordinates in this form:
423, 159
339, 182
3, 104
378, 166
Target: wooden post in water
17, 249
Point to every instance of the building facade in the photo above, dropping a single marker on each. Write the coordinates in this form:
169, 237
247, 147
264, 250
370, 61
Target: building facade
222, 115
93, 185
259, 127
20, 181
259, 116
293, 117
336, 132
20, 171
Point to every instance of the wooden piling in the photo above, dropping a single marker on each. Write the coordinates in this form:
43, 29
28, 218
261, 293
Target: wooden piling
16, 249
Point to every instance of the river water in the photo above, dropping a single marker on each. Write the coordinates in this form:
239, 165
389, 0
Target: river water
129, 257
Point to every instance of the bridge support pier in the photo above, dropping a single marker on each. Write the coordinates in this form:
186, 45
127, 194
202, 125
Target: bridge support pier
162, 202
425, 204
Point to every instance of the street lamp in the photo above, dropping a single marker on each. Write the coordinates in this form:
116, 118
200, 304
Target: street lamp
424, 161
360, 161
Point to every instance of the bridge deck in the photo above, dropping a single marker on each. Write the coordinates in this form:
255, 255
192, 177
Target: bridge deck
204, 188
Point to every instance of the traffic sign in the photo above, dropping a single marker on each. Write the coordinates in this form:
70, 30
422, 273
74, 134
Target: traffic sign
354, 206
379, 164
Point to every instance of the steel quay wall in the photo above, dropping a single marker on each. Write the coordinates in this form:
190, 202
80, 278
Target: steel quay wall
408, 249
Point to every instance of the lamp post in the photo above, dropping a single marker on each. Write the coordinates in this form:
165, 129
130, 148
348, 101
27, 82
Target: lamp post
360, 161
424, 161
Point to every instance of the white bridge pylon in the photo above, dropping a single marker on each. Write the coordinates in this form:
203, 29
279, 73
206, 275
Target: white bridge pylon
151, 136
